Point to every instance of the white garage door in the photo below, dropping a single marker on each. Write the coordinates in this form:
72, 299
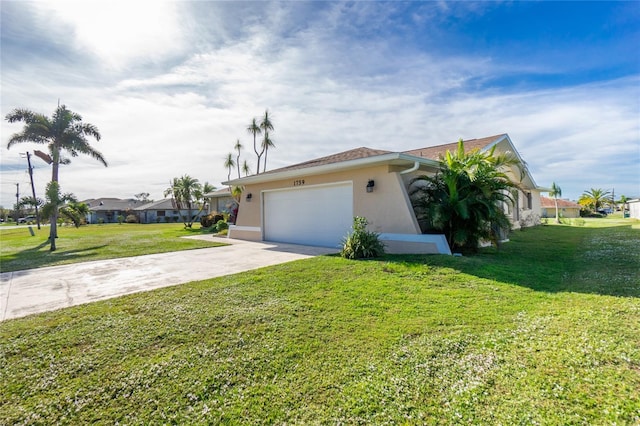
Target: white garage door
319, 215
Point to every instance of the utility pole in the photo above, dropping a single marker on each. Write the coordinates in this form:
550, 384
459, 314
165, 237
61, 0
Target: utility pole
33, 189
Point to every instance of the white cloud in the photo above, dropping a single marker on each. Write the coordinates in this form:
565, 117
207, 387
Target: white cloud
120, 32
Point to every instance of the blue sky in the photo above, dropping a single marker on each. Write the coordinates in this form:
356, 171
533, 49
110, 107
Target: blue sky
172, 85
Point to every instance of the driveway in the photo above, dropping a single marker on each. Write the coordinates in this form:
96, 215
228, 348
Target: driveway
46, 289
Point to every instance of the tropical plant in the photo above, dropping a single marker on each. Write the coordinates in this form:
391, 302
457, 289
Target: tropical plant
63, 131
255, 130
267, 143
595, 198
361, 243
246, 169
187, 194
266, 125
238, 147
229, 163
465, 200
623, 201
556, 192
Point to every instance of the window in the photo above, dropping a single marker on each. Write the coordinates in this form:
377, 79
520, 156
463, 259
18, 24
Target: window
161, 213
529, 201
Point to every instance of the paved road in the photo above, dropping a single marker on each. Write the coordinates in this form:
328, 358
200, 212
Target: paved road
45, 289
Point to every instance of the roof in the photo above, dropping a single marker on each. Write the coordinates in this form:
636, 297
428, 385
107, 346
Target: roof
438, 151
427, 157
109, 204
547, 202
224, 192
166, 204
352, 154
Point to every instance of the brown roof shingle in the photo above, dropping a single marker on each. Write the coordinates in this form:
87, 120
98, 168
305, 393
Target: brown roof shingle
352, 154
435, 152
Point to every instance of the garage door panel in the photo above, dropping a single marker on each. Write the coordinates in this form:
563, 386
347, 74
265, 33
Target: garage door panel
319, 216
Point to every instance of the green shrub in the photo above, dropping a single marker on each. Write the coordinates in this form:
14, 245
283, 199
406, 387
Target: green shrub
210, 220
120, 219
221, 225
361, 243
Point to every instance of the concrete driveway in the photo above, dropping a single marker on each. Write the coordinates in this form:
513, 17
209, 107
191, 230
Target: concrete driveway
45, 289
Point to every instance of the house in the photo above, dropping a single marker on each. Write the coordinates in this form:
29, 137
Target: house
107, 210
314, 202
221, 201
566, 208
634, 208
165, 211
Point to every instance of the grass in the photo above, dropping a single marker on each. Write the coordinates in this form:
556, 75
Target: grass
544, 331
19, 250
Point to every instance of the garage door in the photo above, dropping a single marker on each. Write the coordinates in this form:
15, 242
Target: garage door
319, 215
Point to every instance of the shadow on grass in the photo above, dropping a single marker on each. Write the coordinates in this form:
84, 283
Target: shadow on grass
37, 257
604, 261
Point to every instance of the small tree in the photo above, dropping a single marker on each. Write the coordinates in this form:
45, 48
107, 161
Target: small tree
187, 194
556, 192
465, 199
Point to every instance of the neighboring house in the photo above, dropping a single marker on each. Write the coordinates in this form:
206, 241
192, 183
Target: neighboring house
221, 201
107, 210
566, 208
165, 211
634, 208
314, 202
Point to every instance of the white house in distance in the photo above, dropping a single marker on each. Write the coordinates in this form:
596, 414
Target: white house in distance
314, 202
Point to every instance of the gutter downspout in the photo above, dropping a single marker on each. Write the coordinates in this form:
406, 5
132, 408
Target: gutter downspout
416, 166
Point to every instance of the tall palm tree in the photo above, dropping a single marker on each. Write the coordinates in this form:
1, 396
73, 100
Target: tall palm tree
556, 192
255, 130
238, 146
229, 163
186, 193
464, 200
63, 131
267, 143
266, 125
246, 169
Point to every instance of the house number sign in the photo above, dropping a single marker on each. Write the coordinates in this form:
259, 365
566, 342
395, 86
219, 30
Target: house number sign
298, 182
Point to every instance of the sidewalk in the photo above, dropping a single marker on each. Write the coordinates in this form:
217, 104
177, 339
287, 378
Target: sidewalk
32, 291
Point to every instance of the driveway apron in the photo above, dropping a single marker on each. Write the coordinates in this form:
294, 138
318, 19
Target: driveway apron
45, 289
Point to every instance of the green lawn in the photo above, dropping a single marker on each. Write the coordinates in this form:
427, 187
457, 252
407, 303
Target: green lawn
19, 250
544, 331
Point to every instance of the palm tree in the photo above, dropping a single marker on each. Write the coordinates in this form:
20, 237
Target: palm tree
266, 125
464, 200
238, 147
595, 198
229, 163
186, 193
246, 169
267, 143
64, 131
556, 192
255, 130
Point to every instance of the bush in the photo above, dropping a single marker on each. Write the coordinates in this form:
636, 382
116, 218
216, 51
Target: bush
360, 243
221, 225
131, 219
210, 220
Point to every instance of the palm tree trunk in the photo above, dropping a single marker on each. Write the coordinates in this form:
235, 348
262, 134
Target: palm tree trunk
557, 218
53, 229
